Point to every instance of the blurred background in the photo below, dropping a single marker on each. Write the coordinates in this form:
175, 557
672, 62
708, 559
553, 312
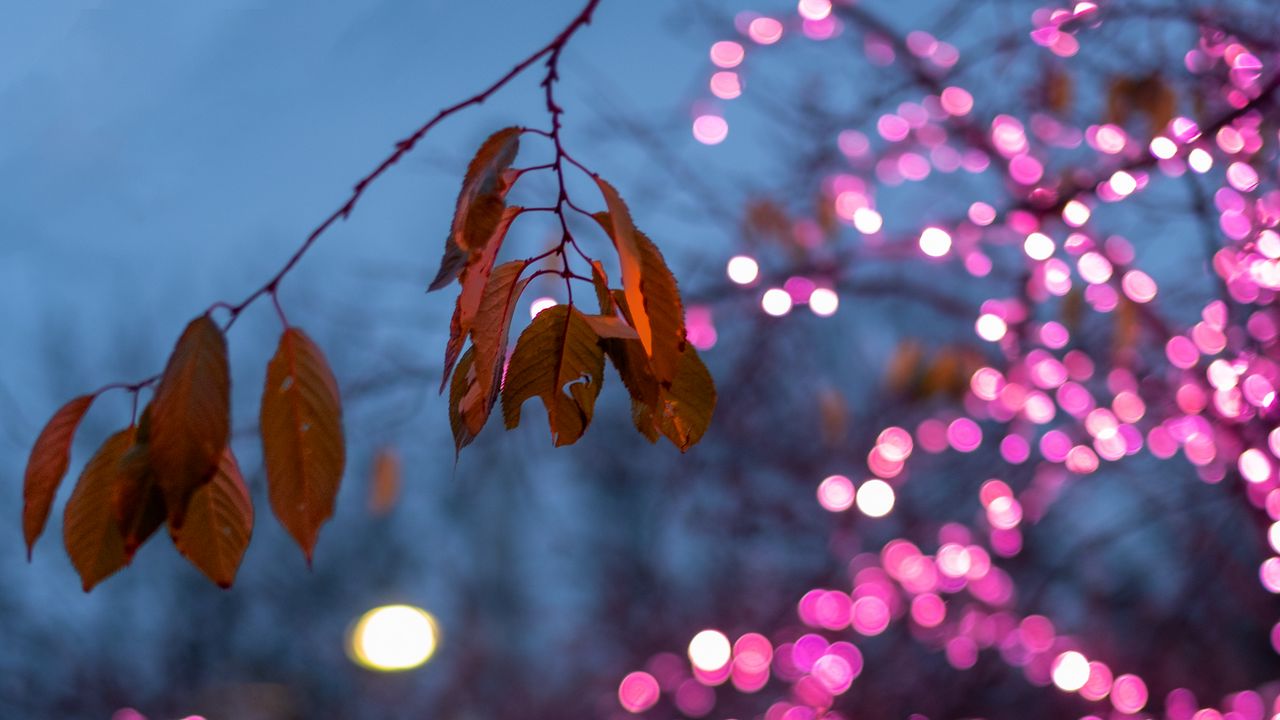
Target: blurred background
987, 289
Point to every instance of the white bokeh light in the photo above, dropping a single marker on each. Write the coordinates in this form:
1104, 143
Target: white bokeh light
709, 650
824, 302
394, 637
1070, 671
875, 498
935, 242
742, 270
776, 302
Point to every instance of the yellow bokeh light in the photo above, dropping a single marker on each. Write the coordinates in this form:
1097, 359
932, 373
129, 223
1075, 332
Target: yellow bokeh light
393, 637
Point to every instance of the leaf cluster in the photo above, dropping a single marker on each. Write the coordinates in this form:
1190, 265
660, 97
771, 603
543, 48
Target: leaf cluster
560, 356
175, 465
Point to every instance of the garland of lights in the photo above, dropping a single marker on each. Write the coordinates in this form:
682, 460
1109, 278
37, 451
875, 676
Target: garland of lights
1048, 404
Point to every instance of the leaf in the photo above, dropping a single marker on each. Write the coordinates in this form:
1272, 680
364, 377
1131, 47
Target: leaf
666, 314
462, 388
138, 502
384, 486
190, 415
767, 219
89, 528
629, 360
618, 225
557, 349
904, 368
491, 331
603, 295
474, 281
689, 403
219, 524
611, 326
1149, 95
455, 258
48, 463
683, 412
453, 348
1058, 88
1125, 335
480, 203
652, 298
302, 442
833, 411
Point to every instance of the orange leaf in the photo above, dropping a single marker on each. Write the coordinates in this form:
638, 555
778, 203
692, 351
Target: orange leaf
619, 226
219, 523
47, 465
474, 280
462, 397
453, 348
649, 289
190, 415
138, 501
385, 485
611, 326
687, 406
491, 330
302, 442
558, 349
480, 203
89, 528
601, 283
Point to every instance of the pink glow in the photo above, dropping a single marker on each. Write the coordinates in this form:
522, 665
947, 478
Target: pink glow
836, 493
1129, 694
726, 85
695, 699
832, 610
727, 54
1025, 169
1098, 686
870, 616
638, 692
1138, 286
814, 9
834, 673
1015, 449
1269, 574
710, 129
765, 30
964, 435
956, 101
928, 610
982, 214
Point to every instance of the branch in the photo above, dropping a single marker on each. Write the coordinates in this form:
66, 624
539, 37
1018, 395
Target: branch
403, 147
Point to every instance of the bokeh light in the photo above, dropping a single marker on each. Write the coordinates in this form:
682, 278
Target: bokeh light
742, 269
1070, 671
875, 498
709, 650
710, 129
393, 638
638, 692
935, 242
